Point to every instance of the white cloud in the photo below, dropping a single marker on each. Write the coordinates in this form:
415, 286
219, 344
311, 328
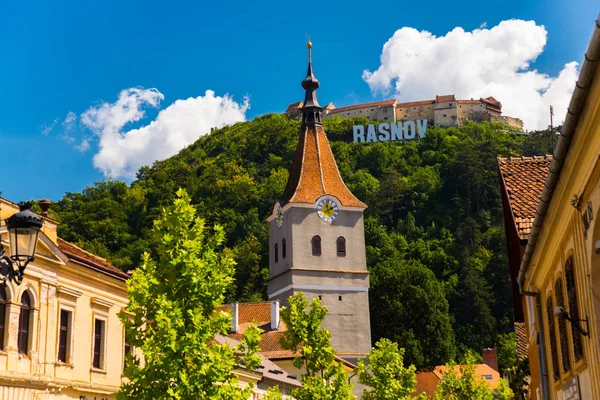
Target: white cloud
47, 129
122, 152
70, 119
417, 65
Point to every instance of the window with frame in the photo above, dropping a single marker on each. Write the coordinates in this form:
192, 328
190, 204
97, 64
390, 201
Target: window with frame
2, 315
562, 328
64, 335
341, 246
283, 249
552, 338
24, 320
99, 339
573, 309
316, 245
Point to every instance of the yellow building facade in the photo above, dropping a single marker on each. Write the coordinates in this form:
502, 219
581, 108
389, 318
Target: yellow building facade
559, 275
60, 336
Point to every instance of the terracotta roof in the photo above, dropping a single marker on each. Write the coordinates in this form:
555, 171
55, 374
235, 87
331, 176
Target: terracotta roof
293, 107
90, 260
522, 342
415, 103
259, 314
468, 101
524, 179
315, 173
267, 369
384, 103
493, 102
427, 380
447, 97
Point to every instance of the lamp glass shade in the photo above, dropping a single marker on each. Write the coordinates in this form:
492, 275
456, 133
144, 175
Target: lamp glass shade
22, 242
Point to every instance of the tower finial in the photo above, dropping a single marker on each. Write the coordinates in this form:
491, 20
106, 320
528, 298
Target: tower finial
311, 111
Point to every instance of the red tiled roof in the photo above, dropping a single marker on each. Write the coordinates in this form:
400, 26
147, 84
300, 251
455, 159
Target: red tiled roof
524, 179
293, 107
315, 173
447, 97
468, 101
415, 103
259, 314
90, 260
493, 102
384, 103
522, 342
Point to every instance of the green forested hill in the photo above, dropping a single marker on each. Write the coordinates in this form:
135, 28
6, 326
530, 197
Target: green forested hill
434, 229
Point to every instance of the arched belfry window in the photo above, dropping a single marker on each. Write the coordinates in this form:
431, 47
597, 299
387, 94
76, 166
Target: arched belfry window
283, 249
341, 246
573, 309
562, 328
276, 252
24, 318
316, 245
2, 315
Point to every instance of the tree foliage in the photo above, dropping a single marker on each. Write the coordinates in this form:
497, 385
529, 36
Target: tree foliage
461, 382
385, 374
434, 204
172, 319
323, 378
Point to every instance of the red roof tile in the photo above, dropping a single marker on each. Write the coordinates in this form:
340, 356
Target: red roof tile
384, 103
447, 97
522, 342
415, 103
293, 107
315, 173
468, 101
90, 260
524, 179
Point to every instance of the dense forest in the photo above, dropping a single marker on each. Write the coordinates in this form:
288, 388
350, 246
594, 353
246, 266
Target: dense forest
434, 227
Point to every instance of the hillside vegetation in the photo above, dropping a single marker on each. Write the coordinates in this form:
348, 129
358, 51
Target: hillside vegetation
434, 228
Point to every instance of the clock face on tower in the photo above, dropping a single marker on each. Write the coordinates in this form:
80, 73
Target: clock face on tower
279, 216
327, 210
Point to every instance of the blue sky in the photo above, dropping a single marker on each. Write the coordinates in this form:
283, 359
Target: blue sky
58, 57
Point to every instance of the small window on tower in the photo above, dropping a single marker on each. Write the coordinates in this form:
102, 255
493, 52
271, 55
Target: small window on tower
283, 249
276, 252
340, 298
316, 245
341, 246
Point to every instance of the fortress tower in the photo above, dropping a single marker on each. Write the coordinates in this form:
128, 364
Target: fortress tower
316, 236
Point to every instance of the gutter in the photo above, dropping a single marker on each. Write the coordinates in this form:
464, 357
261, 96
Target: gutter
578, 101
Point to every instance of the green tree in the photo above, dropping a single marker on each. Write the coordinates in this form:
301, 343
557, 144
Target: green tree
408, 306
171, 315
461, 383
386, 375
323, 378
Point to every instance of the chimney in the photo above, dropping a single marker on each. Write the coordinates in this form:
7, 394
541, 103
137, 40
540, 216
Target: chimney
490, 358
274, 315
235, 318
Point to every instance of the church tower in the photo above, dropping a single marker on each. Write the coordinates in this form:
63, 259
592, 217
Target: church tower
316, 236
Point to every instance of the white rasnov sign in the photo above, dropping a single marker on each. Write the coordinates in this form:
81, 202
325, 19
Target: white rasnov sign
393, 131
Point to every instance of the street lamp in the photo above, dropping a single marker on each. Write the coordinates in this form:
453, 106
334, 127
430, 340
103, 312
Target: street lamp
23, 229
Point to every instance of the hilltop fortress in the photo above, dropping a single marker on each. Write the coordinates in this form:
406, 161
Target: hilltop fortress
442, 111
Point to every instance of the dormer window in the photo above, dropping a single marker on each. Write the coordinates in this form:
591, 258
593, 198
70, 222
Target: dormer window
341, 246
316, 245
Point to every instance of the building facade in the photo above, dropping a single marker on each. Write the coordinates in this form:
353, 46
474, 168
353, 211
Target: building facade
558, 272
316, 237
442, 111
60, 335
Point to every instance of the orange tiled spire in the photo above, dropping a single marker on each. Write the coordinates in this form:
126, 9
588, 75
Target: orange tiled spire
314, 170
